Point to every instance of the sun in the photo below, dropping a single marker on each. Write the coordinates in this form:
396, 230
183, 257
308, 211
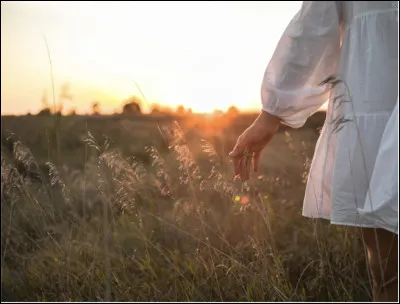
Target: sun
206, 108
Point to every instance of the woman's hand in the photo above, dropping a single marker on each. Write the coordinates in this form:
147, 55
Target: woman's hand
252, 141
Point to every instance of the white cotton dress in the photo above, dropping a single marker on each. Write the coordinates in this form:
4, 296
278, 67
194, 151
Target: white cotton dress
353, 179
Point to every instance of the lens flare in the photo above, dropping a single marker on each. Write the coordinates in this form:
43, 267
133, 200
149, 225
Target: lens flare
244, 200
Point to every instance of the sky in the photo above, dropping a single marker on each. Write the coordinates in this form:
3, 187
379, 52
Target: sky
204, 55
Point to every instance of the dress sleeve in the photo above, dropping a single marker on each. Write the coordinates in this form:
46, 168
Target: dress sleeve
307, 53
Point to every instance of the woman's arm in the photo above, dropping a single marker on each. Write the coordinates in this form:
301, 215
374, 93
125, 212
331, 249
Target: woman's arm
307, 53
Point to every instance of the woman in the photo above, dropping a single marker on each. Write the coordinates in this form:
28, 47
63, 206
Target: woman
353, 176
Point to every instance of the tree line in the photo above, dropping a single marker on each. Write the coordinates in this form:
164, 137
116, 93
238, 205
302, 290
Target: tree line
130, 107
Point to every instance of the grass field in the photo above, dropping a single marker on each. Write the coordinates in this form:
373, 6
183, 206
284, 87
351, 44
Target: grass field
114, 208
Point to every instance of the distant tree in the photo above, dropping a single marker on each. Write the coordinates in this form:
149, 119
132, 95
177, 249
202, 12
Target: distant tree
59, 109
232, 111
180, 110
44, 112
132, 106
155, 109
95, 108
72, 112
64, 94
189, 111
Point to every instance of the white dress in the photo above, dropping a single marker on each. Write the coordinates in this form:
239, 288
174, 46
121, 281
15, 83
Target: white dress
353, 179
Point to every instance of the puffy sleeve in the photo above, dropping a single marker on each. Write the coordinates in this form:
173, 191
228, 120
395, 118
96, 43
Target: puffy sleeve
307, 53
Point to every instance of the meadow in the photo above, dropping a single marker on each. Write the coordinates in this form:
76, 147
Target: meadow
147, 209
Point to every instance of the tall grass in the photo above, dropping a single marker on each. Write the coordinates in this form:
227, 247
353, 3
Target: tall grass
176, 228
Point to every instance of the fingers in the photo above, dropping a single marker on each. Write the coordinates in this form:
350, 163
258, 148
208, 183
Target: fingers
256, 161
237, 154
248, 168
239, 147
236, 165
241, 162
242, 165
243, 168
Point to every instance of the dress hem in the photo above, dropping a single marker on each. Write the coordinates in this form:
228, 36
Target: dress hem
395, 231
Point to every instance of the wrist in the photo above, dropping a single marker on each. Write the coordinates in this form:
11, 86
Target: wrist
269, 119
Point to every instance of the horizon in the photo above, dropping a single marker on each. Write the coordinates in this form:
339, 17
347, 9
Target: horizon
166, 112
201, 65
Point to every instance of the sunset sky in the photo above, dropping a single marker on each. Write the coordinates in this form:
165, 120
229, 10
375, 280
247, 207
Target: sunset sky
204, 55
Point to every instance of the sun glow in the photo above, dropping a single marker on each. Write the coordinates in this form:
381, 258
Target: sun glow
203, 55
